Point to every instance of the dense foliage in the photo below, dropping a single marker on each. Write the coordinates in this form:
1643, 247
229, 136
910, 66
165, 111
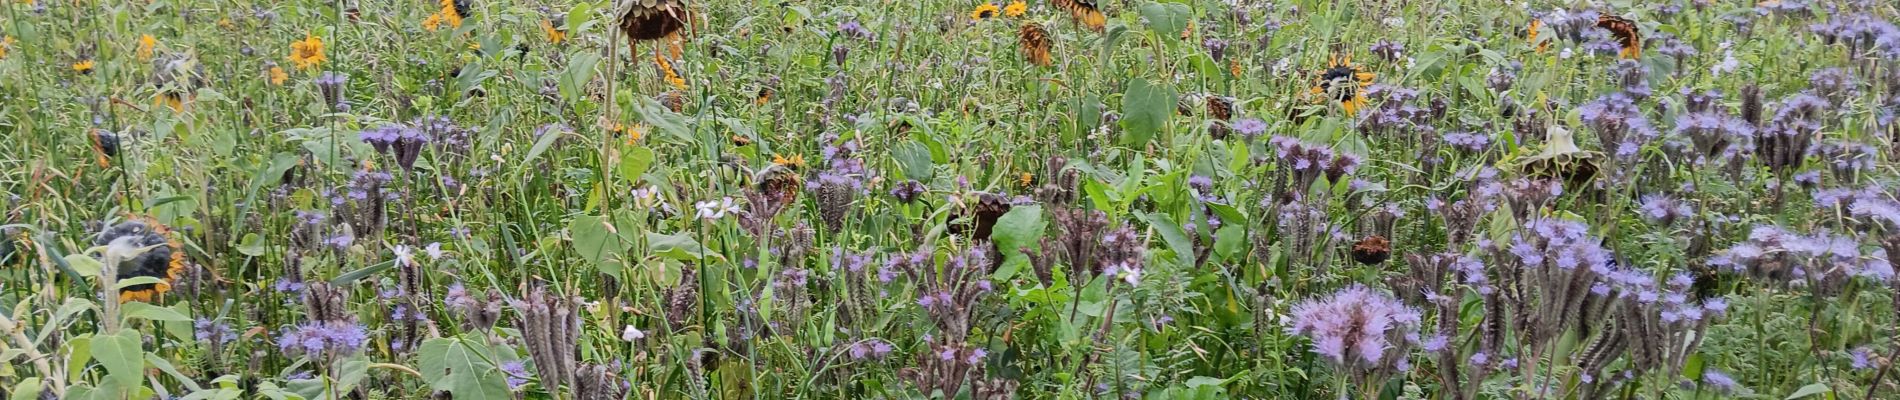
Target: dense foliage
1167, 199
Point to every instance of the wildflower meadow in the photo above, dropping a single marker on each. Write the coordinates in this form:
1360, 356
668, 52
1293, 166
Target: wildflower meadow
949, 199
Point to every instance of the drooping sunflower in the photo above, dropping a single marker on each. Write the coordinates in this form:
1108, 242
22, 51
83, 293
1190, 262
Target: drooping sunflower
795, 162
165, 260
1344, 83
985, 11
1035, 43
1085, 12
668, 74
643, 20
105, 146
1626, 34
307, 53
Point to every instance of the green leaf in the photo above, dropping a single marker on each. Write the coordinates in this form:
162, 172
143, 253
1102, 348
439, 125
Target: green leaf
634, 162
1020, 228
85, 265
1145, 107
1810, 390
1167, 20
914, 158
541, 146
1171, 233
677, 247
1228, 240
151, 312
596, 242
166, 366
28, 389
252, 245
134, 281
461, 365
663, 119
122, 356
365, 272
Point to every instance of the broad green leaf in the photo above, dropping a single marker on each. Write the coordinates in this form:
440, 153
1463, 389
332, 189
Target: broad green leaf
1020, 228
914, 158
1167, 20
634, 162
677, 247
596, 242
462, 365
252, 245
27, 389
1146, 106
122, 356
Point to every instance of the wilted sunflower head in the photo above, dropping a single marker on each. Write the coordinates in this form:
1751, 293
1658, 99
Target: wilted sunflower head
1035, 43
162, 257
1344, 83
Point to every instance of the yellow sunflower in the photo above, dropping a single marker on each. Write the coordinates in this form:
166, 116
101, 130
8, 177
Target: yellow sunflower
1530, 35
6, 43
1015, 9
794, 162
451, 14
147, 44
307, 53
666, 70
1344, 83
277, 75
553, 31
985, 11
83, 66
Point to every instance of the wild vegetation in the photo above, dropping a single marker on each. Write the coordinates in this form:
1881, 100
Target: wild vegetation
1165, 199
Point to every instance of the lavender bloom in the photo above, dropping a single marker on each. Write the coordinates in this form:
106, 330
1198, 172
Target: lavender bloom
1618, 123
1719, 382
1388, 50
1634, 78
211, 331
329, 338
1832, 84
853, 29
1216, 48
1356, 327
1664, 210
1502, 79
907, 191
1861, 358
1470, 142
331, 84
1250, 128
516, 372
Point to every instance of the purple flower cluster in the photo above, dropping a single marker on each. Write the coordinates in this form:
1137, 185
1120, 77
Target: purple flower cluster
402, 140
853, 29
1307, 162
1619, 124
1388, 50
1663, 209
1860, 33
1356, 327
324, 338
1777, 254
1396, 112
1470, 142
869, 349
1633, 77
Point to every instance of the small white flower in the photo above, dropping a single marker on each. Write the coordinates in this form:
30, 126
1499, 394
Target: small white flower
631, 334
405, 255
434, 250
1565, 54
1132, 275
716, 209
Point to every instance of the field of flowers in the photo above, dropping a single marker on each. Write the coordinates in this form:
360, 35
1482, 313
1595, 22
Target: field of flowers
959, 199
